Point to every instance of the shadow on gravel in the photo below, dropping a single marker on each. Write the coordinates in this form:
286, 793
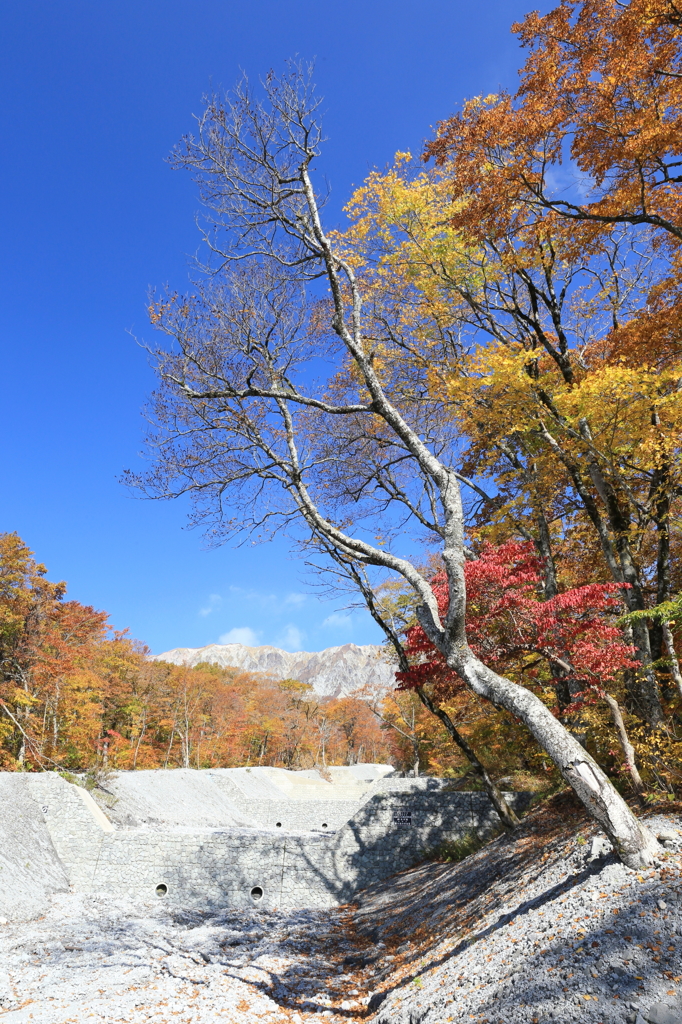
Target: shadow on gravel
551, 894
616, 959
457, 895
607, 969
324, 991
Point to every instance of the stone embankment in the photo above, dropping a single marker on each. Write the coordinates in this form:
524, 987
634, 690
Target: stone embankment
541, 926
229, 837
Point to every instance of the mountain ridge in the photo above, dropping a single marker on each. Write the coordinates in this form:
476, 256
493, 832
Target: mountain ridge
333, 672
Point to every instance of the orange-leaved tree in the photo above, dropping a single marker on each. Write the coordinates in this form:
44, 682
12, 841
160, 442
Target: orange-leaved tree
592, 136
52, 680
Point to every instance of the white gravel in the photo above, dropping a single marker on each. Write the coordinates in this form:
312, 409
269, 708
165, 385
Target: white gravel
97, 959
535, 928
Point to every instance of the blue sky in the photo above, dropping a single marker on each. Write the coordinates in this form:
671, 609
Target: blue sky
94, 95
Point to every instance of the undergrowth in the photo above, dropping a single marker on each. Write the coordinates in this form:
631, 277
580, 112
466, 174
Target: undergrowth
455, 850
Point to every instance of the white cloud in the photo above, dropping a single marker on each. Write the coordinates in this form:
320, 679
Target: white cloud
241, 635
291, 639
213, 602
338, 620
274, 604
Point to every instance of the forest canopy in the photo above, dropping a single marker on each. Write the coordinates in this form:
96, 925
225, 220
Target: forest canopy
77, 695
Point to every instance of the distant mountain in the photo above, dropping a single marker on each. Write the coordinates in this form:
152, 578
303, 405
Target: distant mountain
335, 672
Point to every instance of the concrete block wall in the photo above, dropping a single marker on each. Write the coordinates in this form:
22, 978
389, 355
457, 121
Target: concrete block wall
76, 825
277, 798
397, 821
297, 815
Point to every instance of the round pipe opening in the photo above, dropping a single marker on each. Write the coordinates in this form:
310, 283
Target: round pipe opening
256, 893
324, 824
278, 824
161, 889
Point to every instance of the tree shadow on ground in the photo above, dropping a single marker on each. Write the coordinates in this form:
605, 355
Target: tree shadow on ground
446, 903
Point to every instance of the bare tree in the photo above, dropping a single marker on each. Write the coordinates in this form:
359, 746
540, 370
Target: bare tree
252, 422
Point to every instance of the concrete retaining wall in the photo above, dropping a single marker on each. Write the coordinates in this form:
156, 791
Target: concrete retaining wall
395, 822
30, 868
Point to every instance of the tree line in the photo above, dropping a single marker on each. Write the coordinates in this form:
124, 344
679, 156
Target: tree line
77, 695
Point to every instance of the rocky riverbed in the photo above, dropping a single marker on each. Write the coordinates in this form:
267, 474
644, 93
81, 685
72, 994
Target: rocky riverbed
542, 926
96, 959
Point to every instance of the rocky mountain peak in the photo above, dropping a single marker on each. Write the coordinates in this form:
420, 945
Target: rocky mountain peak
334, 672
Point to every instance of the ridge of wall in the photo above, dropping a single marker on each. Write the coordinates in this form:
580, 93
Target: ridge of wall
77, 826
30, 868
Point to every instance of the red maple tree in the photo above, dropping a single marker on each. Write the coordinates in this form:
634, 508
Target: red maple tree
513, 630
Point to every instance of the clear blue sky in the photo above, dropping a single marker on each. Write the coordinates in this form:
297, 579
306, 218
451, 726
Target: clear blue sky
94, 95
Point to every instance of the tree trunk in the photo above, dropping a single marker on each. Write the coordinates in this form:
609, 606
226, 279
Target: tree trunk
143, 729
672, 656
643, 686
543, 544
625, 745
506, 813
633, 843
170, 746
660, 492
415, 769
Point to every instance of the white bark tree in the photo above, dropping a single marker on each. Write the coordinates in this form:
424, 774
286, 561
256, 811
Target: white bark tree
251, 419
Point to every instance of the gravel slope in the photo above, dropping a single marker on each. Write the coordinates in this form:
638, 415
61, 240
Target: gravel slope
544, 926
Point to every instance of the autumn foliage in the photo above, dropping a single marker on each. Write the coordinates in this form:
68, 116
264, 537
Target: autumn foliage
512, 629
77, 695
602, 90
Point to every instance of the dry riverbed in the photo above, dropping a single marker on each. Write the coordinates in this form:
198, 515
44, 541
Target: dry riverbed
97, 959
545, 926
542, 926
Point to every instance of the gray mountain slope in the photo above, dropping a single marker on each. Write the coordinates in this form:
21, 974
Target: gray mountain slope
335, 672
